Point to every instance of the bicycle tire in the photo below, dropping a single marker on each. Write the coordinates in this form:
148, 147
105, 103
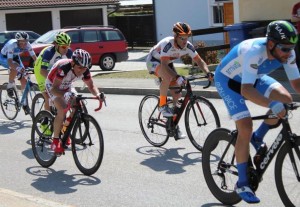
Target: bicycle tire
33, 91
152, 122
9, 105
200, 111
92, 145
41, 143
38, 103
214, 148
288, 186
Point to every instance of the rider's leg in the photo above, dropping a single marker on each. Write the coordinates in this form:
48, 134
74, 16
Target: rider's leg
46, 97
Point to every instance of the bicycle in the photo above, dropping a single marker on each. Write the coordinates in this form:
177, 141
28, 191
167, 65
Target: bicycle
84, 131
12, 105
220, 171
201, 117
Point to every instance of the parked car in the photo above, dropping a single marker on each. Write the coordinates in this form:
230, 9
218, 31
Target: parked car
7, 35
106, 44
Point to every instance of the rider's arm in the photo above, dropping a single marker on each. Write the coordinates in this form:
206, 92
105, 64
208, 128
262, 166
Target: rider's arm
250, 93
200, 62
296, 85
92, 87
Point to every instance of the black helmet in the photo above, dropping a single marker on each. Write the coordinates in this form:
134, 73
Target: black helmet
181, 28
21, 36
282, 32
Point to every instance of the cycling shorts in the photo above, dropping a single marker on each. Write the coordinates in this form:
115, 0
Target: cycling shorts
48, 87
4, 63
229, 90
40, 79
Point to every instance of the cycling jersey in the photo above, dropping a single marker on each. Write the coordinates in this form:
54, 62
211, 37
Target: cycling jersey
11, 50
166, 49
248, 63
46, 59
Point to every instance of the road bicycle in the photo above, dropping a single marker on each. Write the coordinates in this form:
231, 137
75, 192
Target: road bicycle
12, 105
86, 138
220, 171
201, 117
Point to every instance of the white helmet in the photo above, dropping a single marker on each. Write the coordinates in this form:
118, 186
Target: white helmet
21, 36
82, 58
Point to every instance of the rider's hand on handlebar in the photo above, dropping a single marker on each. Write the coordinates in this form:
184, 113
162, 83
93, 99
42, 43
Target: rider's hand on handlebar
278, 108
68, 96
210, 76
180, 80
102, 97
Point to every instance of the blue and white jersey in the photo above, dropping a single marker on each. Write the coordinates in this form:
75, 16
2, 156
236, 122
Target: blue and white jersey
11, 49
248, 61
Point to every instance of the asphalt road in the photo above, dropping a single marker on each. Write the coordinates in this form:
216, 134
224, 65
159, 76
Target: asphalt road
133, 173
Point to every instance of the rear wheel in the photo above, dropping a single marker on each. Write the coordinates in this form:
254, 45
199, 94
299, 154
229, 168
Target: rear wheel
9, 105
41, 141
152, 122
107, 62
220, 177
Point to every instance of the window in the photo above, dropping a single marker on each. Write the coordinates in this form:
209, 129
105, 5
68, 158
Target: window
217, 12
90, 36
111, 35
74, 36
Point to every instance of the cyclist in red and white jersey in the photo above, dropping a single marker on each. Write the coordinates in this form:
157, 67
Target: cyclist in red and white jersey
59, 87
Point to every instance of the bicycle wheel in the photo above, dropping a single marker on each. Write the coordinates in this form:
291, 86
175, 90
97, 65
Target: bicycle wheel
87, 153
38, 103
33, 91
287, 181
152, 122
220, 177
40, 142
9, 105
201, 118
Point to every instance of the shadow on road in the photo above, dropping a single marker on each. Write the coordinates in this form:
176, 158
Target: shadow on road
9, 127
168, 160
58, 182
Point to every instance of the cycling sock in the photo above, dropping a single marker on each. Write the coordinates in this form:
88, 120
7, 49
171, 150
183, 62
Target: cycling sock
259, 134
242, 171
162, 100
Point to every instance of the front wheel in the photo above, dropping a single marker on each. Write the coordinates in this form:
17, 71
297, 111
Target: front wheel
9, 105
41, 138
107, 62
220, 175
201, 118
152, 122
287, 176
38, 103
89, 145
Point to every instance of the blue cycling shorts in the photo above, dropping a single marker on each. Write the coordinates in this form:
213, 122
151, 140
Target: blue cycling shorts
229, 90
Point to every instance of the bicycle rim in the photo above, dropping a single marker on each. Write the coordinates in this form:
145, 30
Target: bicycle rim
152, 123
40, 142
220, 180
200, 119
287, 183
88, 153
9, 105
30, 96
38, 103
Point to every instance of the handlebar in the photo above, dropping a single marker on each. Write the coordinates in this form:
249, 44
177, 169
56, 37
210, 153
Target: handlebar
79, 97
191, 78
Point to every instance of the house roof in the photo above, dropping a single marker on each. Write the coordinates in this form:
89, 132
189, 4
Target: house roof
29, 4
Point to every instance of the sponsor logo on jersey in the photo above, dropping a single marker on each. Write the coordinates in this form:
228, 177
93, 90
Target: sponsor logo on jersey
191, 47
233, 67
255, 66
167, 47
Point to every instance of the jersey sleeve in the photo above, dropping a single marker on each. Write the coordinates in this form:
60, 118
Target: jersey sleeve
191, 51
30, 50
46, 57
10, 51
291, 68
250, 66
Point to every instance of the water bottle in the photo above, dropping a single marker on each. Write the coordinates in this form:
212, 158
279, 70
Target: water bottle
260, 154
19, 75
66, 124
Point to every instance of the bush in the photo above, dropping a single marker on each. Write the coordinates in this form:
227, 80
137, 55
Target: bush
210, 57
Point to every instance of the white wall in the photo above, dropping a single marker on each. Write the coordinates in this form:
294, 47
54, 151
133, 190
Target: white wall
194, 12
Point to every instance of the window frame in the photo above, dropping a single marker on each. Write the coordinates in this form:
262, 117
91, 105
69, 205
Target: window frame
217, 3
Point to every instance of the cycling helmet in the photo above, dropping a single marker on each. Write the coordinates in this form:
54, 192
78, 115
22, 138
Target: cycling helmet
282, 32
62, 39
181, 28
82, 58
21, 36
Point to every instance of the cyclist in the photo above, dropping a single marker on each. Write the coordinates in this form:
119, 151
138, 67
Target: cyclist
59, 88
46, 59
9, 58
243, 74
160, 63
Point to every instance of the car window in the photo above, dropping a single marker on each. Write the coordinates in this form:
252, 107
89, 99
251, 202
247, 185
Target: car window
2, 38
90, 36
47, 38
74, 35
110, 35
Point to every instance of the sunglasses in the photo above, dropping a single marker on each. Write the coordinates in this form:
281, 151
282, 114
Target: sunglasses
81, 67
183, 38
64, 47
285, 49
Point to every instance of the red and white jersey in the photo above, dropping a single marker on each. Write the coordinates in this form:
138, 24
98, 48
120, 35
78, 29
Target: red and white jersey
166, 49
62, 70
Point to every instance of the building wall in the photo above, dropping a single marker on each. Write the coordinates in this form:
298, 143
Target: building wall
194, 12
254, 10
55, 12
